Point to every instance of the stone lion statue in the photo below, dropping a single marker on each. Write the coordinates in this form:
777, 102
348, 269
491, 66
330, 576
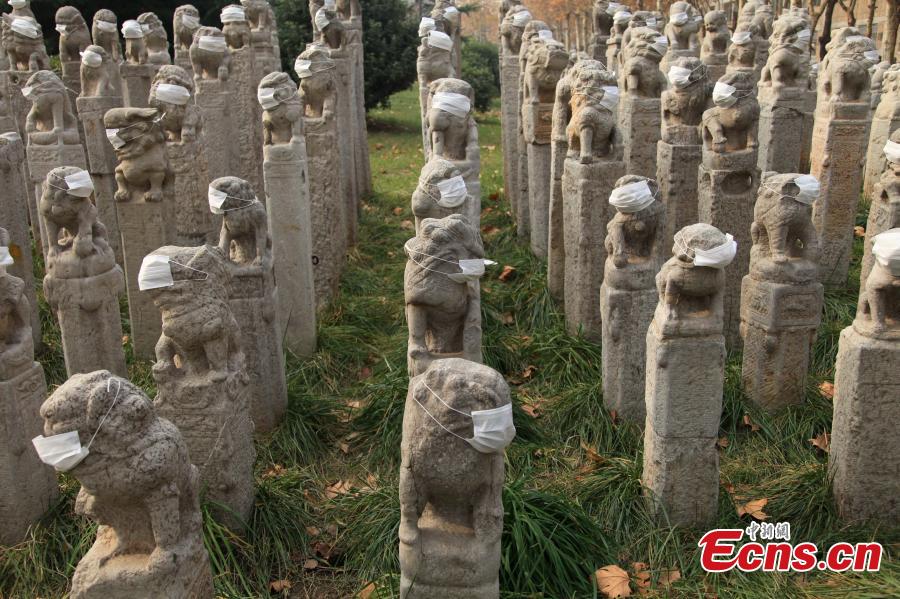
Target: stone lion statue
184, 35
640, 71
545, 62
76, 36
105, 33
178, 122
74, 216
682, 36
511, 34
426, 195
156, 39
25, 53
320, 88
143, 167
733, 128
718, 37
631, 237
237, 33
138, 484
97, 80
592, 129
844, 72
785, 65
50, 120
879, 300
452, 136
284, 122
16, 341
683, 105
208, 64
245, 226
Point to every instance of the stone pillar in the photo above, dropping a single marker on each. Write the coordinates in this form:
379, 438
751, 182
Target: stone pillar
864, 452
182, 123
781, 300
327, 180
27, 487
728, 179
838, 150
614, 43
356, 51
602, 22
715, 45
343, 117
884, 210
262, 22
685, 378
885, 121
14, 217
138, 485
202, 378
287, 189
641, 84
246, 156
246, 244
546, 61
628, 295
83, 282
185, 23
136, 82
678, 153
101, 155
450, 540
211, 65
443, 307
511, 42
145, 208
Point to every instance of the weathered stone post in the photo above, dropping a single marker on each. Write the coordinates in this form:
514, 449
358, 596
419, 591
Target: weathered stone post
838, 150
512, 28
454, 549
628, 293
201, 372
864, 453
641, 83
453, 136
138, 484
885, 120
247, 247
602, 23
27, 488
287, 189
811, 69
681, 32
545, 62
621, 18
593, 165
182, 124
262, 23
319, 93
884, 211
762, 21
211, 64
781, 298
137, 71
83, 282
678, 153
685, 377
74, 38
185, 24
145, 207
433, 63
782, 99
728, 179
14, 216
243, 80
52, 131
351, 15
442, 292
714, 50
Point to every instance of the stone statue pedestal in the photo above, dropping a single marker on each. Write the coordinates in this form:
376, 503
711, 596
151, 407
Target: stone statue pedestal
809, 116
354, 43
586, 212
216, 105
287, 190
685, 377
641, 120
716, 65
194, 223
864, 449
42, 160
884, 122
183, 60
246, 150
781, 121
522, 215
344, 119
556, 247
71, 78
327, 210
840, 135
27, 487
136, 82
628, 299
252, 298
102, 162
537, 120
87, 308
445, 558
676, 174
779, 322
264, 52
509, 120
727, 186
884, 214
214, 418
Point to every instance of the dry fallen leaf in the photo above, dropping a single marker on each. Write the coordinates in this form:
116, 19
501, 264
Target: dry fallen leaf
313, 531
379, 146
754, 508
398, 210
407, 224
364, 373
822, 441
668, 577
859, 231
310, 564
826, 389
529, 371
509, 318
341, 487
612, 581
507, 272
750, 424
592, 453
274, 472
125, 339
278, 586
366, 592
530, 410
641, 577
494, 196
489, 230
722, 442
344, 447
323, 550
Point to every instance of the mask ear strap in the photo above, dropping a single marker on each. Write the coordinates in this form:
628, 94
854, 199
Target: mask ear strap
111, 406
438, 422
444, 402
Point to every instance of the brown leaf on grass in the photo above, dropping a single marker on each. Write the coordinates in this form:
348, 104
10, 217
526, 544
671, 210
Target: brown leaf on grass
341, 487
366, 592
826, 389
509, 318
729, 488
487, 210
530, 410
822, 441
279, 586
397, 210
859, 231
125, 339
668, 577
344, 447
274, 472
612, 581
529, 371
592, 454
754, 508
614, 416
507, 272
489, 230
364, 373
641, 578
379, 146
323, 550
313, 531
332, 529
750, 424
407, 224
722, 442
494, 196
311, 564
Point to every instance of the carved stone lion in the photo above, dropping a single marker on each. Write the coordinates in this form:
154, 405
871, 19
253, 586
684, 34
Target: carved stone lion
682, 36
24, 52
143, 166
426, 194
734, 127
283, 123
545, 62
784, 68
631, 238
237, 33
319, 89
156, 39
591, 130
184, 35
97, 81
718, 37
844, 72
16, 341
76, 37
208, 64
50, 120
510, 33
105, 36
743, 56
452, 136
878, 310
245, 229
683, 106
640, 71
179, 122
76, 216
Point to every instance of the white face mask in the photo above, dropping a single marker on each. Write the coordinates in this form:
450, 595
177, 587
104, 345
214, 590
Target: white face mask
718, 257
132, 30
471, 270
632, 197
232, 14
217, 198
456, 104
545, 34
266, 98
190, 21
64, 451
886, 249
621, 17
156, 272
79, 184
612, 8
303, 68
6, 258
18, 3
440, 40
173, 94
105, 26
28, 92
680, 18
610, 97
892, 151
803, 37
521, 18
651, 22
89, 58
27, 27
321, 19
211, 43
493, 429
61, 29
660, 44
453, 192
451, 11
809, 189
723, 94
679, 76
113, 136
11, 136
872, 56
425, 25
741, 38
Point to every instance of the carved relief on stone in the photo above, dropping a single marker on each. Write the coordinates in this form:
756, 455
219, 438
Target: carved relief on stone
105, 33
50, 120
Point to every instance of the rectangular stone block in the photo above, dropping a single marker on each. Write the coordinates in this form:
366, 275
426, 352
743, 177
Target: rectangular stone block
781, 135
136, 82
676, 174
641, 122
509, 121
539, 190
215, 103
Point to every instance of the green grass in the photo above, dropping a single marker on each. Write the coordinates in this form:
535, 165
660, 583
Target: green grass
573, 496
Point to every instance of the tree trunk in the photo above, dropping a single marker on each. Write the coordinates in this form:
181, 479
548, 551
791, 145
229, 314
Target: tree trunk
826, 28
890, 36
851, 13
870, 22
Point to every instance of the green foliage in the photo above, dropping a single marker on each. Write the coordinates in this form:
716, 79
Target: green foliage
481, 68
390, 37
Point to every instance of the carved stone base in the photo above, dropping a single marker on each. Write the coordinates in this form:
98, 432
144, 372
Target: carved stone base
539, 189
586, 212
778, 324
676, 174
556, 247
876, 163
509, 120
781, 136
641, 121
865, 452
136, 82
27, 487
216, 105
450, 563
